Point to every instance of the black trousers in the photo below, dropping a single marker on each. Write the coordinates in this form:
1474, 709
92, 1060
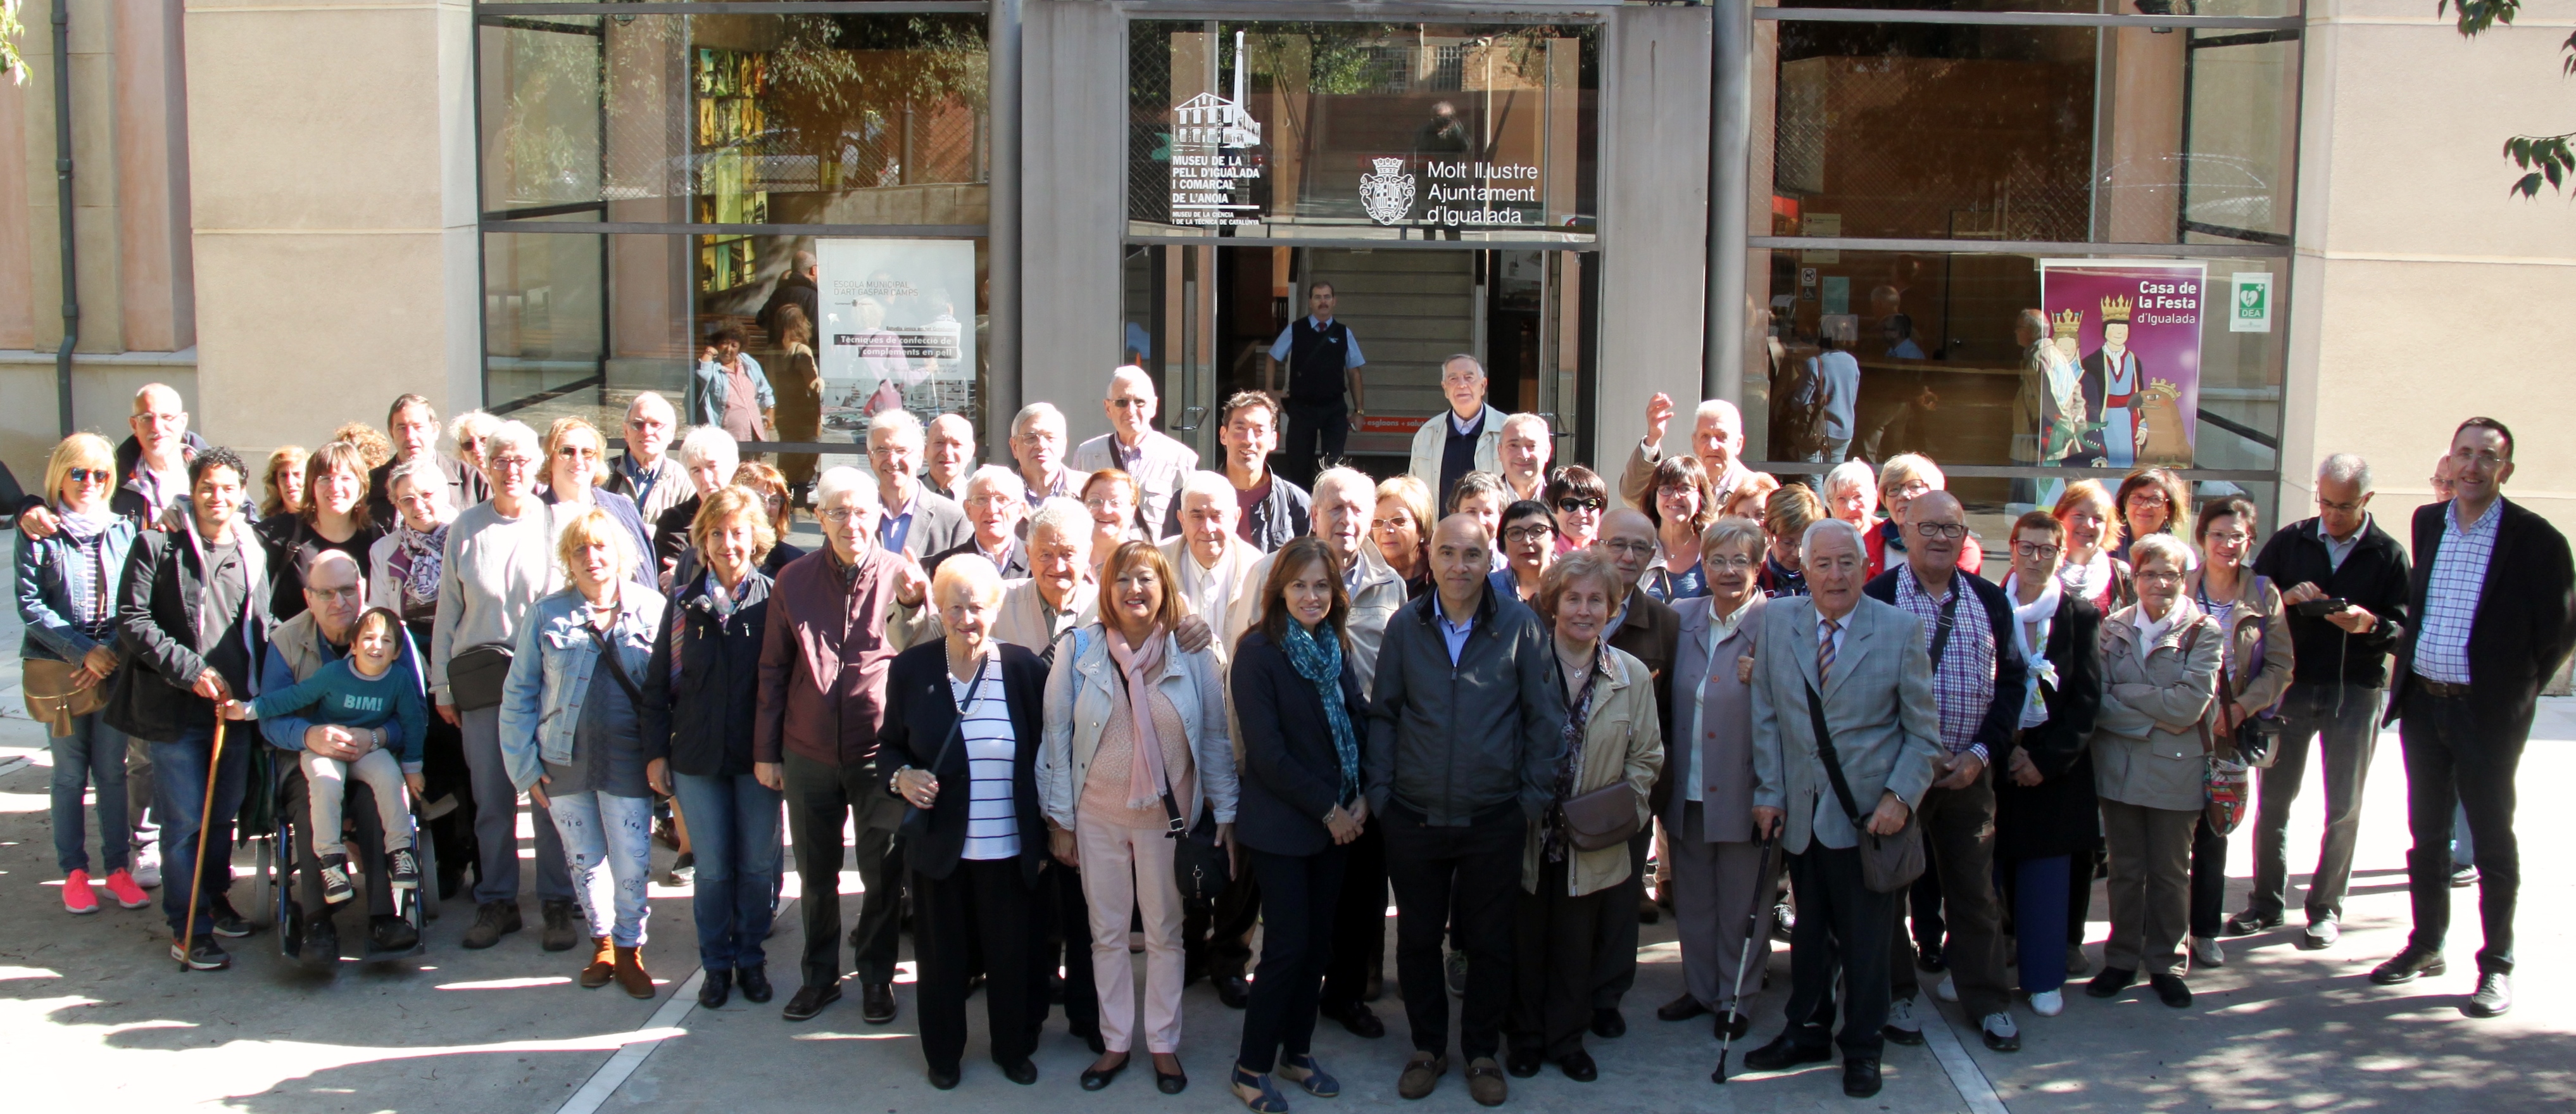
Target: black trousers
1313, 431
1066, 944
1842, 929
1614, 962
1359, 920
1299, 896
2208, 878
2451, 761
1216, 936
820, 798
991, 903
1475, 868
1923, 901
1553, 958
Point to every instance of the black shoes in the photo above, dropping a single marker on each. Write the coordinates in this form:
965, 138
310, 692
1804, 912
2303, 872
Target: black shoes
1021, 1071
716, 990
1359, 1019
2171, 990
1732, 1025
1785, 1051
1580, 1068
810, 1000
1095, 1078
1523, 1063
1609, 1024
1233, 990
876, 1003
1683, 1008
2111, 982
2249, 922
227, 921
1170, 1083
754, 982
562, 929
201, 954
1860, 1077
389, 933
944, 1079
321, 951
492, 920
2494, 997
2407, 965
1927, 957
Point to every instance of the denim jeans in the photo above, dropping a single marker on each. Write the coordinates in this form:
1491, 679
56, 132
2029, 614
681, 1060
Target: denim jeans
733, 830
608, 848
183, 770
496, 819
93, 754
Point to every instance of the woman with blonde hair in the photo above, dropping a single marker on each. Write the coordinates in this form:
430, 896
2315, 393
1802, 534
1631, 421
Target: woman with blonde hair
1110, 495
283, 483
2091, 570
766, 481
1401, 527
1136, 743
576, 467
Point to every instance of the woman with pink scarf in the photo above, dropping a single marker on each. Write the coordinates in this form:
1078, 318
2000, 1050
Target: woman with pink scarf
1135, 739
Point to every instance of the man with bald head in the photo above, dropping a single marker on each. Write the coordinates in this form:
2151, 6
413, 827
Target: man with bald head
1977, 686
1464, 734
1717, 438
1158, 463
646, 472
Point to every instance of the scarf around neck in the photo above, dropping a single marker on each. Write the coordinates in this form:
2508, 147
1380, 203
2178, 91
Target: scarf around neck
1138, 668
422, 551
1319, 661
2033, 645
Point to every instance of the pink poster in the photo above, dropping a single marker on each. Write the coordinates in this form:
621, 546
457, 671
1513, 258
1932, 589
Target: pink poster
2130, 330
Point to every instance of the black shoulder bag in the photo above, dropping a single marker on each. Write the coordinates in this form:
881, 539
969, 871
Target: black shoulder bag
1200, 868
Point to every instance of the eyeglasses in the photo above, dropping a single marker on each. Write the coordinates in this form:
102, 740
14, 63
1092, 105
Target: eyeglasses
348, 593
2235, 537
2160, 576
1950, 530
836, 515
1571, 504
1739, 563
571, 452
1912, 488
511, 462
1529, 533
2036, 552
1631, 548
2325, 504
88, 475
2149, 497
1130, 403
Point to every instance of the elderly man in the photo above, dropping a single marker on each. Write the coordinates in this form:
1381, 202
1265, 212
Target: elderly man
1213, 563
151, 468
1322, 359
1853, 663
1270, 509
1469, 440
1464, 735
917, 520
994, 511
1057, 593
1649, 630
412, 423
1524, 453
1038, 442
2341, 666
1717, 435
951, 456
708, 457
1156, 462
193, 614
2491, 597
837, 617
297, 649
1977, 687
645, 472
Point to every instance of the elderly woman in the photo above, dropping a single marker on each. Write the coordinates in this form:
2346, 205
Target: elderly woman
1850, 492
403, 577
2151, 501
499, 560
960, 746
1904, 478
1529, 546
572, 735
1716, 857
1402, 530
67, 601
701, 691
1682, 504
770, 484
2255, 675
1578, 498
2046, 818
576, 467
710, 457
1116, 773
333, 516
1110, 496
1611, 739
2088, 568
283, 482
465, 436
1299, 702
2160, 663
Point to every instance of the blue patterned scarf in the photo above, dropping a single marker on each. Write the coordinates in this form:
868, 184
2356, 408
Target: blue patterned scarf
1320, 662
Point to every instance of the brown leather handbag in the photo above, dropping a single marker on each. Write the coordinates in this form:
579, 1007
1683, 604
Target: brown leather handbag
51, 699
1603, 818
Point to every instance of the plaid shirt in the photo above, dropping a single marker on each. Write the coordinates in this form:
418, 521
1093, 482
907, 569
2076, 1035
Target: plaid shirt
2451, 599
1963, 681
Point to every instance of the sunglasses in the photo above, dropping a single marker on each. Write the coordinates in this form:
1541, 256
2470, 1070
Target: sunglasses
1572, 504
89, 475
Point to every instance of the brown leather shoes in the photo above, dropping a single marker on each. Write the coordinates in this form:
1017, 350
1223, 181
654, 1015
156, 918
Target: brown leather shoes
603, 964
1485, 1082
1421, 1076
630, 973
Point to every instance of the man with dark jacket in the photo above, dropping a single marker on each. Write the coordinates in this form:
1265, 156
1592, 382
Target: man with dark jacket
1465, 730
799, 287
192, 615
1272, 510
2490, 598
1977, 685
2333, 702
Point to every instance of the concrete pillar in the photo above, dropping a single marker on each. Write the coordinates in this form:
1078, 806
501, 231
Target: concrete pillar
1654, 223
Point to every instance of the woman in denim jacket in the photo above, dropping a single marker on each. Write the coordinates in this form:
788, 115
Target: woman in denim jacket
67, 599
576, 747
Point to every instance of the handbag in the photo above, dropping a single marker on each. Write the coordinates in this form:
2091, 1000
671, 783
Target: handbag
2224, 780
51, 699
1201, 869
1888, 863
475, 675
1601, 819
915, 825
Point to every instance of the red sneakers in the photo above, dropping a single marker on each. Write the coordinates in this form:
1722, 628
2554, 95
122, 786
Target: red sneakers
121, 885
76, 895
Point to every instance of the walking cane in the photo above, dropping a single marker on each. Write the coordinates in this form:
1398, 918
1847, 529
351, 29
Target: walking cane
1753, 931
197, 873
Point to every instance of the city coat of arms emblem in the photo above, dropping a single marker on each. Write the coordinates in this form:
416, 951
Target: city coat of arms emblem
1387, 194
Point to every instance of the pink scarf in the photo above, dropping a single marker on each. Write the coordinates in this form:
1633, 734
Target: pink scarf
1141, 668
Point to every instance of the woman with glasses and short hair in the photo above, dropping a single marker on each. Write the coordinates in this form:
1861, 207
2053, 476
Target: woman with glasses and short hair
1681, 503
1578, 498
2152, 501
2046, 817
1110, 495
1528, 541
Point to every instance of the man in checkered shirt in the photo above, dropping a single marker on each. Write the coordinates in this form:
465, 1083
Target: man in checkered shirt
1977, 683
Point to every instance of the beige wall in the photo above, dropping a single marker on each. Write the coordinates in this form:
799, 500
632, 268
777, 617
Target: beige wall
2422, 294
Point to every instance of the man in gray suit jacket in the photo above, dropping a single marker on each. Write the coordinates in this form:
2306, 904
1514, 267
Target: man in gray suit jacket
1867, 662
917, 520
1157, 463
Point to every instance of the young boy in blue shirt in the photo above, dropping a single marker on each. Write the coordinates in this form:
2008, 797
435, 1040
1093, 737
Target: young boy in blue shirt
362, 690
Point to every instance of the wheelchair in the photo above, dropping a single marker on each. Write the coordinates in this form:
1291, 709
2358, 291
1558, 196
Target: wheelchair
394, 919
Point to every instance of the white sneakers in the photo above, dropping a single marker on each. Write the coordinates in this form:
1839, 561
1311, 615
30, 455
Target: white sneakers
2048, 1003
1900, 1015
2205, 952
147, 864
1948, 991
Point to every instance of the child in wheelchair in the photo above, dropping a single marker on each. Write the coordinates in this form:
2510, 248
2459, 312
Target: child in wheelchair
362, 692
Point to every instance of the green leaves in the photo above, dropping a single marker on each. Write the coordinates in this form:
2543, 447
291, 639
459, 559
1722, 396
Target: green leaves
2478, 15
2547, 157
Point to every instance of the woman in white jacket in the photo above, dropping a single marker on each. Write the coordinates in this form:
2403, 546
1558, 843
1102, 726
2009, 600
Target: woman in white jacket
1113, 777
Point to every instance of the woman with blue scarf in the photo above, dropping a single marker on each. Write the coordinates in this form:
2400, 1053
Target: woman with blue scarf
1299, 705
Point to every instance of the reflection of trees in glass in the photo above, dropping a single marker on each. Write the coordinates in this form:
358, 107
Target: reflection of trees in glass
549, 137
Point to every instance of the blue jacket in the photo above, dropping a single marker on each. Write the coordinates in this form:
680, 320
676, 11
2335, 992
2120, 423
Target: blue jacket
550, 675
338, 695
53, 572
704, 402
702, 688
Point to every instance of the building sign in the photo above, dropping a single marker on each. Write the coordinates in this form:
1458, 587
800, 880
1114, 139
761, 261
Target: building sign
1456, 194
2132, 330
895, 330
2252, 302
1213, 165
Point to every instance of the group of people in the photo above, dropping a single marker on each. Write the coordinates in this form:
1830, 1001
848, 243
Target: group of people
1103, 701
